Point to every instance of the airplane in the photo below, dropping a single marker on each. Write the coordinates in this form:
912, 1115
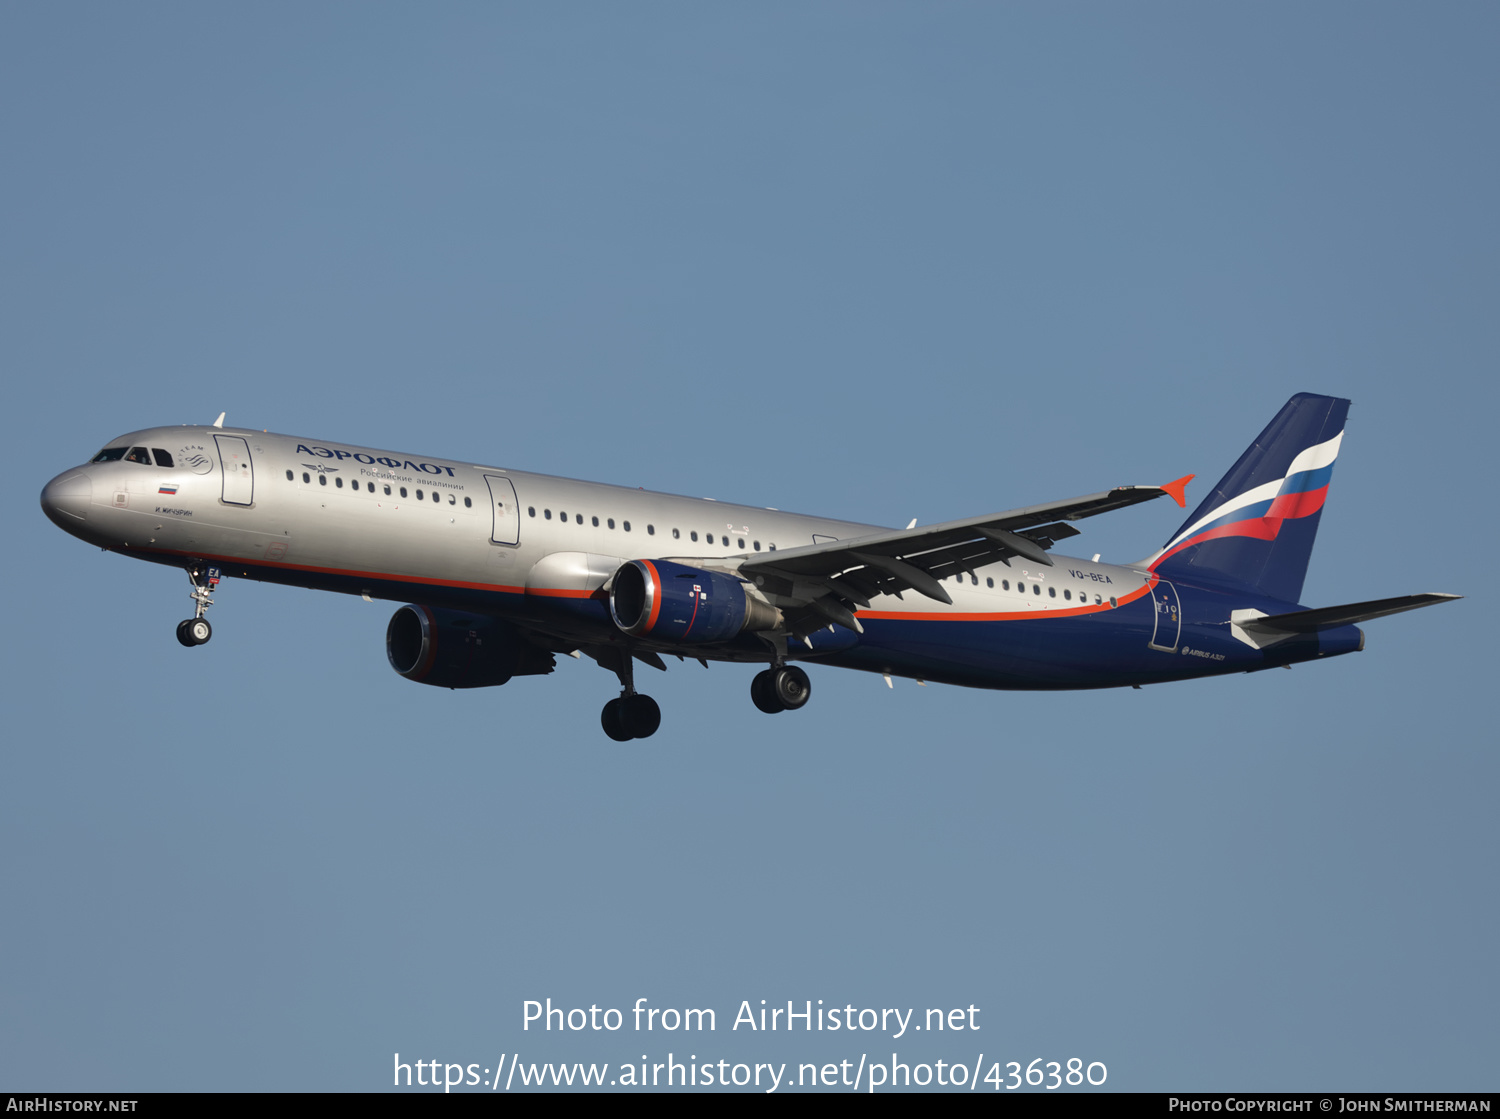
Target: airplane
503, 570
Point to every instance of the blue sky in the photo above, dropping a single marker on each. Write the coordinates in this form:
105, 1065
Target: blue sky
871, 261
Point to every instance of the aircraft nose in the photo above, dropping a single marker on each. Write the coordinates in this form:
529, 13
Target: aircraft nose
66, 498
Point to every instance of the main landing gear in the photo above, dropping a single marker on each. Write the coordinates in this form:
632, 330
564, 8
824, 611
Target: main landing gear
632, 715
780, 688
196, 630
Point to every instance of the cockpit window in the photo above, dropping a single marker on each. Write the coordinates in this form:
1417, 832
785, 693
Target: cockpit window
138, 454
162, 458
110, 454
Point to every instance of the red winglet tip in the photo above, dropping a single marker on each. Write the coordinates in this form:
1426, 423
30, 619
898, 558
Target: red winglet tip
1178, 489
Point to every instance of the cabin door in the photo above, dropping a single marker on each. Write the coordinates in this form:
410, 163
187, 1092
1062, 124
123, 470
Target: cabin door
239, 474
1168, 617
507, 520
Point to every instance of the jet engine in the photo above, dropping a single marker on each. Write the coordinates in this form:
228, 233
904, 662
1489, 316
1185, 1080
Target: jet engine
451, 649
676, 604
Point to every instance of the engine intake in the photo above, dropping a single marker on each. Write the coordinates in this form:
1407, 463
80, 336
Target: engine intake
450, 649
676, 604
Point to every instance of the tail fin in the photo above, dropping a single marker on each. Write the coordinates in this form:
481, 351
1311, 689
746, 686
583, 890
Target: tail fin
1256, 529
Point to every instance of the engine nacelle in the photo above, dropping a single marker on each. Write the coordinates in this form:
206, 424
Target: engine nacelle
676, 604
450, 649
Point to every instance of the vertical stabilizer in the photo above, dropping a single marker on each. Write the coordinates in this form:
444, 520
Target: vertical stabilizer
1256, 529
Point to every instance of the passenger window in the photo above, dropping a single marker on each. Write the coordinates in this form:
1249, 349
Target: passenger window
610, 522
1097, 600
468, 502
596, 521
578, 516
339, 482
546, 514
530, 509
162, 458
290, 477
387, 491
322, 479
1005, 584
1112, 602
419, 495
988, 582
138, 454
650, 530
974, 579
306, 479
1036, 588
709, 537
1051, 592
693, 536
1067, 596
403, 494
625, 525
773, 547
110, 454
676, 535
741, 544
1020, 588
757, 545
563, 517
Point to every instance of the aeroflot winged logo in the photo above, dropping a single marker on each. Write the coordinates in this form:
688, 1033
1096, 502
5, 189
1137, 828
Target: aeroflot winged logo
388, 461
1259, 513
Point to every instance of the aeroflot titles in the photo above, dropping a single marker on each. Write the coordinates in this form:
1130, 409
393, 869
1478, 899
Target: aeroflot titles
370, 460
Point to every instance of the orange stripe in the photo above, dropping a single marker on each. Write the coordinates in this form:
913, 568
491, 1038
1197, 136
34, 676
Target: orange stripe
233, 560
655, 598
1006, 616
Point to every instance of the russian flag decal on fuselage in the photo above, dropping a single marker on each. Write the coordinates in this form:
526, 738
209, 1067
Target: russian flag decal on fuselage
169, 490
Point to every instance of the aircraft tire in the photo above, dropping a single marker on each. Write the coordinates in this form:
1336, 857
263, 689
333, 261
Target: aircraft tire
791, 687
197, 630
763, 693
182, 635
641, 715
613, 721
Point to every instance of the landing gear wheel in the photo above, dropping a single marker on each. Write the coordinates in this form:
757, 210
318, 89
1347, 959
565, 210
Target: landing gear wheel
640, 715
611, 718
194, 631
791, 687
763, 692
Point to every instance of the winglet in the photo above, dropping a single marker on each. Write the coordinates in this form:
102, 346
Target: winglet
1178, 489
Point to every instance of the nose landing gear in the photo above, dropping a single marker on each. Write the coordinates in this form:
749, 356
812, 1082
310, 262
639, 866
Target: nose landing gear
196, 630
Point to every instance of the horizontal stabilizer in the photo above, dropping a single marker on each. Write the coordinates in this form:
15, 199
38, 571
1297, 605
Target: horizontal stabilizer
1260, 630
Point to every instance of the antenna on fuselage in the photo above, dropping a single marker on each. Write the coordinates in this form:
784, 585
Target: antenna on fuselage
220, 421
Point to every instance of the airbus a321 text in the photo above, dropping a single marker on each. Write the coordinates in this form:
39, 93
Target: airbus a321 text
503, 570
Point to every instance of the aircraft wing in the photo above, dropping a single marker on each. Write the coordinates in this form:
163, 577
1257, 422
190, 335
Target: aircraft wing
831, 577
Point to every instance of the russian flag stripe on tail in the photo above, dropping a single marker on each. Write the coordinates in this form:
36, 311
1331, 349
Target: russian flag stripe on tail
1256, 529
